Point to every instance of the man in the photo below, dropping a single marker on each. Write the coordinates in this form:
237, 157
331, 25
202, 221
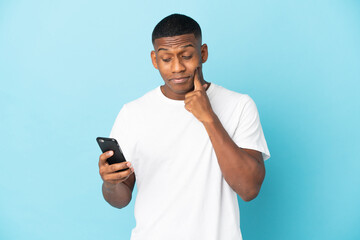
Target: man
192, 145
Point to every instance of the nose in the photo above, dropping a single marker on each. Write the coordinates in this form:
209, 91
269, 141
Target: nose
177, 66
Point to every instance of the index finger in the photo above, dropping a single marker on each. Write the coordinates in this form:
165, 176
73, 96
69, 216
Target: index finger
103, 157
197, 83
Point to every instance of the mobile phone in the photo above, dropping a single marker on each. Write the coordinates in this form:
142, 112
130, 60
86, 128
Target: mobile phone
110, 144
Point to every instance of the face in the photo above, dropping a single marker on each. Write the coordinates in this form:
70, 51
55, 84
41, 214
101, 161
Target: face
176, 58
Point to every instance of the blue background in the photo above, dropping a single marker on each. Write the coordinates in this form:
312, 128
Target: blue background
67, 67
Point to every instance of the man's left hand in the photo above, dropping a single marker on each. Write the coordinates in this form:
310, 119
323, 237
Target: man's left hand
197, 101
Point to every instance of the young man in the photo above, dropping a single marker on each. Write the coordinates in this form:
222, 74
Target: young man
193, 146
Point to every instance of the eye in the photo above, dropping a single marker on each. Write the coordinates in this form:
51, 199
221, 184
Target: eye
166, 59
187, 57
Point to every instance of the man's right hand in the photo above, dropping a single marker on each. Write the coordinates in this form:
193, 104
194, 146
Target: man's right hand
108, 172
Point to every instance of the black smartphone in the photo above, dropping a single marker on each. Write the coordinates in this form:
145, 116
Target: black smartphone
107, 144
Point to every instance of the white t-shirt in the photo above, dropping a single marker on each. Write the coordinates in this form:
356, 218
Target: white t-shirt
181, 191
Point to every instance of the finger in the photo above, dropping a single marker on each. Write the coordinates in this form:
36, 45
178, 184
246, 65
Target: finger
201, 78
103, 157
188, 100
118, 166
190, 95
119, 176
125, 174
197, 83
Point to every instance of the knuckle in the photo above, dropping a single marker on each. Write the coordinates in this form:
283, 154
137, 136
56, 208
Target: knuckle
120, 167
102, 157
113, 168
102, 170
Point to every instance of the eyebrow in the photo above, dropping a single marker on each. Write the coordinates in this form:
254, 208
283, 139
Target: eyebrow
165, 49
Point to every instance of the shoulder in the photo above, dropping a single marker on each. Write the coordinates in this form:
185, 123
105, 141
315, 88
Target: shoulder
132, 112
228, 97
142, 102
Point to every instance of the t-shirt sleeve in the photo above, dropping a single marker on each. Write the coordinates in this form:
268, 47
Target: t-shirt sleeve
120, 121
249, 133
120, 131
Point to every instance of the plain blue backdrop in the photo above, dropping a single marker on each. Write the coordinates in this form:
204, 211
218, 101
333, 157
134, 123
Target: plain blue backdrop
67, 67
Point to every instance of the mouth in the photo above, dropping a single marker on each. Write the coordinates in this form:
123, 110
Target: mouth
179, 80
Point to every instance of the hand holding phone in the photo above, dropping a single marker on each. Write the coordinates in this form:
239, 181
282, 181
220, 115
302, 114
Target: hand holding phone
110, 144
113, 168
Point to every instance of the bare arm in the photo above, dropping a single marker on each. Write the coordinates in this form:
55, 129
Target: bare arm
117, 186
243, 169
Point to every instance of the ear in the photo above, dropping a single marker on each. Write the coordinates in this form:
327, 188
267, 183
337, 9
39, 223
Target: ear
153, 59
204, 53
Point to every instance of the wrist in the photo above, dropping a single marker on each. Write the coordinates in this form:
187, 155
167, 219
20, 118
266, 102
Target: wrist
211, 119
109, 186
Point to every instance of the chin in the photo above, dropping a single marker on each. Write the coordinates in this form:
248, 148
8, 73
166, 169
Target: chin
181, 88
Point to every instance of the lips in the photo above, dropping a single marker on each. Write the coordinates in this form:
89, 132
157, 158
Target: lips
179, 80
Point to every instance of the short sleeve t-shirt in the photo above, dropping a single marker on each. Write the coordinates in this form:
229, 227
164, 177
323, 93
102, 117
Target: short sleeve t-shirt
181, 191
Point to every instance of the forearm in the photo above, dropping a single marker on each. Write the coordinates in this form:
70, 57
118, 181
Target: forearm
117, 195
242, 171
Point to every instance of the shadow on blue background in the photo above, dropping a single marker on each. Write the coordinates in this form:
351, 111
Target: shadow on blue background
66, 68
